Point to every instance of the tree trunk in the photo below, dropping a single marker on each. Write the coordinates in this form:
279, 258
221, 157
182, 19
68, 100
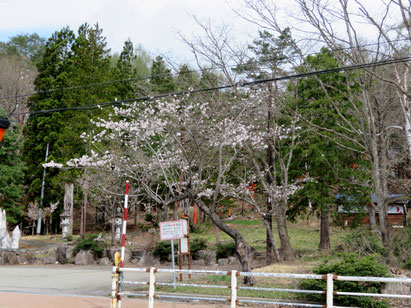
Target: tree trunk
371, 217
270, 237
243, 251
175, 211
136, 209
83, 212
68, 204
269, 243
270, 162
380, 192
325, 230
286, 248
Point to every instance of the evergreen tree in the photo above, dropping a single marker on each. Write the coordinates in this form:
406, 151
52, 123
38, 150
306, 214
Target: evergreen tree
126, 72
186, 78
88, 73
161, 79
81, 65
42, 129
11, 175
321, 156
29, 46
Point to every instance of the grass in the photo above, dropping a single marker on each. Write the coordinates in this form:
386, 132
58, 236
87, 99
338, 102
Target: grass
304, 236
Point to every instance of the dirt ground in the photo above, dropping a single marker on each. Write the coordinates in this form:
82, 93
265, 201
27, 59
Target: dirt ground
24, 300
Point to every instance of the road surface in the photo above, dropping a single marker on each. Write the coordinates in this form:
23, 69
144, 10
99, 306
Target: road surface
67, 286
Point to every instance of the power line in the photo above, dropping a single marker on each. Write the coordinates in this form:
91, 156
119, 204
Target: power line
142, 78
239, 84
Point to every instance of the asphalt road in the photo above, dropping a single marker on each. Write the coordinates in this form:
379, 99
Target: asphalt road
64, 279
68, 286
77, 280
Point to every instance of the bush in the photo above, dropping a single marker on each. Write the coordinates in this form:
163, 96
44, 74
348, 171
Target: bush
196, 245
365, 243
350, 265
89, 242
143, 227
162, 250
225, 250
401, 246
149, 217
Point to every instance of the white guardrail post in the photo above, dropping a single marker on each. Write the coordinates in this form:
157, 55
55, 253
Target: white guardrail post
114, 288
233, 289
330, 290
234, 299
151, 287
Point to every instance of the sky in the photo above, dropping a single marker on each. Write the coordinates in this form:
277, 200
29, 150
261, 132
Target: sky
152, 23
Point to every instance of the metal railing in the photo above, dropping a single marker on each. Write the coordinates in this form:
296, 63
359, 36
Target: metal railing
118, 282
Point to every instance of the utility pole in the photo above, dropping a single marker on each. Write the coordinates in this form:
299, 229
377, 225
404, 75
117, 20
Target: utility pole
38, 230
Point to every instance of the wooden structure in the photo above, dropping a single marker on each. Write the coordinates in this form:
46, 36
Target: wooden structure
397, 212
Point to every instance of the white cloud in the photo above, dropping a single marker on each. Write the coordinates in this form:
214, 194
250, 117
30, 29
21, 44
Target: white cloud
151, 23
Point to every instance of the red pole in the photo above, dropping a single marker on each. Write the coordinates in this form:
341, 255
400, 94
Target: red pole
195, 214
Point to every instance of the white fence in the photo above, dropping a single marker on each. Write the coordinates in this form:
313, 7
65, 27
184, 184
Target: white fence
118, 282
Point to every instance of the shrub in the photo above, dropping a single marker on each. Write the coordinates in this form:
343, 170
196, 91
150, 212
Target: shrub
401, 246
350, 265
143, 227
365, 243
89, 242
162, 250
149, 217
196, 245
225, 250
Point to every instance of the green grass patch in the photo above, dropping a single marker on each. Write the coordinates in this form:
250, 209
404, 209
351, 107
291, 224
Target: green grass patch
304, 236
244, 222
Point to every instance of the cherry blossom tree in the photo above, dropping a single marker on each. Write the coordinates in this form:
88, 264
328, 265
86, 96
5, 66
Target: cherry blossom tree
142, 141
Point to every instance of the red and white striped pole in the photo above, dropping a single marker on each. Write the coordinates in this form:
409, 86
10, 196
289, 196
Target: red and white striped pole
123, 241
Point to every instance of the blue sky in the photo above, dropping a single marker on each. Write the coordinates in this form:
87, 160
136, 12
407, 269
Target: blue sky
153, 24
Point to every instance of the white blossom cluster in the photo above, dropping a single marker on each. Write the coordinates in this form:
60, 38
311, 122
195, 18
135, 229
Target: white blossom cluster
180, 141
52, 164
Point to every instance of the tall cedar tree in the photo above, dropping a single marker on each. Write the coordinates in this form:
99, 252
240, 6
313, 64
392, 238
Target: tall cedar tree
81, 65
126, 72
11, 175
320, 157
42, 129
161, 79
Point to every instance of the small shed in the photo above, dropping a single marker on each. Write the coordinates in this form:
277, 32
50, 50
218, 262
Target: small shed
397, 211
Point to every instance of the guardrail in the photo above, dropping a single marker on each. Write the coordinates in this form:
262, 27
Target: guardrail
118, 281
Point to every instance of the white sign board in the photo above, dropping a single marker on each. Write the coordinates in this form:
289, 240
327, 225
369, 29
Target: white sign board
184, 245
171, 230
185, 230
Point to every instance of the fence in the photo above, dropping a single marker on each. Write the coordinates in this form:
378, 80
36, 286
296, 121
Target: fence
118, 282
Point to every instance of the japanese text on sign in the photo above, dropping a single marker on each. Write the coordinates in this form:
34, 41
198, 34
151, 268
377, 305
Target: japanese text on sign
171, 230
